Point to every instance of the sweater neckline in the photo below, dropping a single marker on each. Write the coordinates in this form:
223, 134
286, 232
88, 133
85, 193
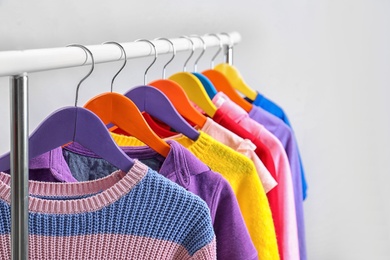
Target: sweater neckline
103, 192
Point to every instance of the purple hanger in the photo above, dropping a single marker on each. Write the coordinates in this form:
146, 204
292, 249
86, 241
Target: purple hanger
155, 103
74, 124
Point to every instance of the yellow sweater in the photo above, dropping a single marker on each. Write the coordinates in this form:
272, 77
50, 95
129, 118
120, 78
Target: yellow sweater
241, 173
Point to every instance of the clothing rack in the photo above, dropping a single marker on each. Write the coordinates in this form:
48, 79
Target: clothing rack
17, 65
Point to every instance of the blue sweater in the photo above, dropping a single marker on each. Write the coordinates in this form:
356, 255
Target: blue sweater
138, 215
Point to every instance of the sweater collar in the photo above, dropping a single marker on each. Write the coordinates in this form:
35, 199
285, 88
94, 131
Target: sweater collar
53, 161
70, 197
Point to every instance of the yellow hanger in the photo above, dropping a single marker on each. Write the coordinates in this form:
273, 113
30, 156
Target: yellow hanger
194, 88
235, 78
221, 83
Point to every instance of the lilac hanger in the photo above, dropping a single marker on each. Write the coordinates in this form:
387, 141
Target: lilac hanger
156, 103
74, 124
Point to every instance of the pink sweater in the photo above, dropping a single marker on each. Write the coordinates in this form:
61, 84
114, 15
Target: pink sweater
243, 146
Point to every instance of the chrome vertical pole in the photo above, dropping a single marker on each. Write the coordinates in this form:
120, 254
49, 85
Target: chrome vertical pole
229, 54
19, 166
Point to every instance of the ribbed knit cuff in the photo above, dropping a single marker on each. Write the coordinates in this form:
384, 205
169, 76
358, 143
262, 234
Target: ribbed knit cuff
201, 145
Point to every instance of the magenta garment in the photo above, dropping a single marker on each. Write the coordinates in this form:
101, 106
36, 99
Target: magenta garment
282, 167
183, 168
283, 132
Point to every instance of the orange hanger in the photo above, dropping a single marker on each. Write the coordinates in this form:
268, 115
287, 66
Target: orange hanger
117, 109
114, 108
221, 83
177, 95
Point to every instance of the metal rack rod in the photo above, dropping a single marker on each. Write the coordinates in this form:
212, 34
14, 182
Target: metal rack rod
26, 61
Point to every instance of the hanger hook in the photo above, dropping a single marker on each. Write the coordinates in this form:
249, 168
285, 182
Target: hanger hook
155, 57
219, 49
229, 53
124, 62
173, 56
192, 51
86, 50
201, 54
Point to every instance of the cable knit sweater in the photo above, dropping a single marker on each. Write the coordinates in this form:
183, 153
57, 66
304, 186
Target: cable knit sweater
138, 215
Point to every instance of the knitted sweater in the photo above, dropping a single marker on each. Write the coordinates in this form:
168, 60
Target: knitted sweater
228, 138
241, 174
138, 215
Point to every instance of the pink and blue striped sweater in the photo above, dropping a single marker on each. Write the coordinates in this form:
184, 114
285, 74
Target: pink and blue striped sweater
138, 215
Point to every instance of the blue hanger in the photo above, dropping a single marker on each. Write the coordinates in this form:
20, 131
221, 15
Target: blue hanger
207, 84
155, 103
74, 124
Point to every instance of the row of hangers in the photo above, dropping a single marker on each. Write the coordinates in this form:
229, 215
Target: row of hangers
168, 100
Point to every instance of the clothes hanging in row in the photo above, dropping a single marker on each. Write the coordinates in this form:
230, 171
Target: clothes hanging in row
224, 182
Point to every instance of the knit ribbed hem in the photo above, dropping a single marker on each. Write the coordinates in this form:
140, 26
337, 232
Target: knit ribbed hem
201, 145
109, 189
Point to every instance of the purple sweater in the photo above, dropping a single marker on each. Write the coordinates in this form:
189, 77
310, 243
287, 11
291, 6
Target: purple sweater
183, 168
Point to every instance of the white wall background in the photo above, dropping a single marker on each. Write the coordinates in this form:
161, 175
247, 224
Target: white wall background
326, 62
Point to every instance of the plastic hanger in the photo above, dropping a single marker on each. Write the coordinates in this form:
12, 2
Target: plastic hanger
75, 124
176, 94
222, 84
235, 78
152, 101
194, 87
114, 108
207, 84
